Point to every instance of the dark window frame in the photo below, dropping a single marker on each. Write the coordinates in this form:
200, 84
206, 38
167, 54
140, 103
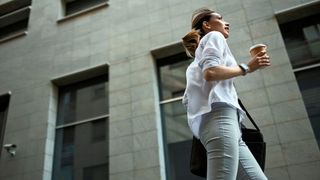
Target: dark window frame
4, 107
14, 19
74, 8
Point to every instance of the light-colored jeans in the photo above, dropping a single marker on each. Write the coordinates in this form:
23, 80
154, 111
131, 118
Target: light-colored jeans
228, 157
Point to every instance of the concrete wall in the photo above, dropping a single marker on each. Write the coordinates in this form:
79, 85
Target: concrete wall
122, 35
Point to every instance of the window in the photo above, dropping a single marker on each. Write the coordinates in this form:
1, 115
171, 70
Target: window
302, 39
4, 104
309, 85
14, 17
75, 7
301, 35
177, 135
81, 144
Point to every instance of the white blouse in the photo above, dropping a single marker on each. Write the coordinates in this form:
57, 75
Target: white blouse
201, 96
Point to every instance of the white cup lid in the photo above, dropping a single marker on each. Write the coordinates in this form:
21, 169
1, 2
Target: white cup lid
257, 45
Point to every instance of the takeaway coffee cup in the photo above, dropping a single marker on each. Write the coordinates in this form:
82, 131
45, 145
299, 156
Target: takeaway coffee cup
255, 49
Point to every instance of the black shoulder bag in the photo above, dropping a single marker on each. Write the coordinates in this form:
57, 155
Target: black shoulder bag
252, 137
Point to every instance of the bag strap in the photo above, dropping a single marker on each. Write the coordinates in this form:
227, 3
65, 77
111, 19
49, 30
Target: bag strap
249, 116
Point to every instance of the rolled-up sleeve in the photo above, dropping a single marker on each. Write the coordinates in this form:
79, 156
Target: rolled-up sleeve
212, 53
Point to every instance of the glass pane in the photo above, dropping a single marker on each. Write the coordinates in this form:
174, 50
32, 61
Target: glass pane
75, 6
96, 173
83, 100
64, 154
174, 116
1, 121
310, 88
172, 79
179, 161
302, 40
178, 141
14, 28
75, 153
14, 5
98, 130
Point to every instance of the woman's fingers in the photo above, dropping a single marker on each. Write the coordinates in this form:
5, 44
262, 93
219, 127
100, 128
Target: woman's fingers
264, 60
265, 56
261, 53
264, 63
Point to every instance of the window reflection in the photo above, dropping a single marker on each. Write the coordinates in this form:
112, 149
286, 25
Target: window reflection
175, 118
98, 130
312, 35
173, 78
78, 148
95, 172
64, 154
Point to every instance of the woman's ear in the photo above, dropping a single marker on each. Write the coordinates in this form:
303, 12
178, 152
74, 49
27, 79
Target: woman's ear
206, 25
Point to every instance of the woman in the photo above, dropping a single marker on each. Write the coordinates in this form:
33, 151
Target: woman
214, 114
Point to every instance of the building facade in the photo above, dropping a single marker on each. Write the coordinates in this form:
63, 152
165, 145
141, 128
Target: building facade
91, 90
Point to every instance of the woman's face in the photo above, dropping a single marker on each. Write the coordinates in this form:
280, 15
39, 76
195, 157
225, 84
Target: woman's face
216, 23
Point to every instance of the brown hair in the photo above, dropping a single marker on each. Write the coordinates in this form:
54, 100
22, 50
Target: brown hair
191, 40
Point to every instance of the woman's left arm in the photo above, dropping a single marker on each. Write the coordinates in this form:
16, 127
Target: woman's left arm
221, 73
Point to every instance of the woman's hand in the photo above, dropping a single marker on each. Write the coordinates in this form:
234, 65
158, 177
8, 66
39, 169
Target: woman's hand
260, 60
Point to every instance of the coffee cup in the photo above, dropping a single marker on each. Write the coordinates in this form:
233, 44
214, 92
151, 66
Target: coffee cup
255, 49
